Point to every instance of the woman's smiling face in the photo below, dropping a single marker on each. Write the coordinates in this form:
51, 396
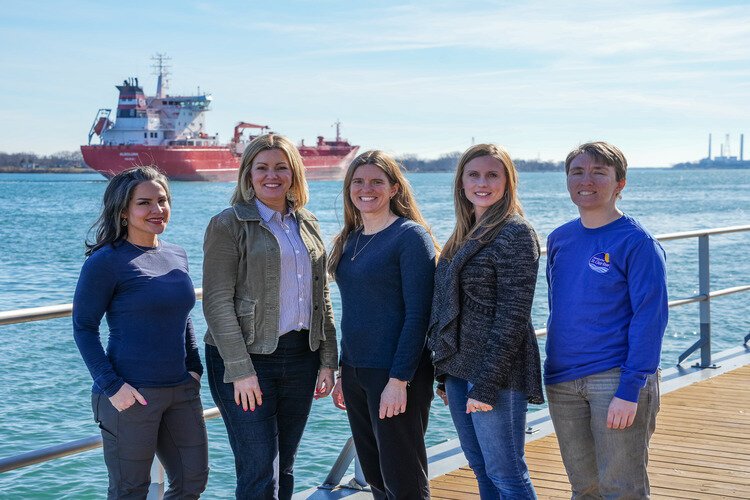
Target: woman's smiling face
272, 177
483, 181
371, 190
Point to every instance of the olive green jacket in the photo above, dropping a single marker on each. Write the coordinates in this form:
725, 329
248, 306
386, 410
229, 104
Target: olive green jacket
241, 276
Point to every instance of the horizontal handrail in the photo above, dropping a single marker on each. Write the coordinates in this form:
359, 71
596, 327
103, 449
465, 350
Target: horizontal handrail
701, 232
65, 449
540, 332
63, 310
48, 312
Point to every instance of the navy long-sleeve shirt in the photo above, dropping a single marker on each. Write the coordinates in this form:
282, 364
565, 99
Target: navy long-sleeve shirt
146, 296
386, 295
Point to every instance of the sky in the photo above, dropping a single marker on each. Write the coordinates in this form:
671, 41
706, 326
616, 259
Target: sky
422, 77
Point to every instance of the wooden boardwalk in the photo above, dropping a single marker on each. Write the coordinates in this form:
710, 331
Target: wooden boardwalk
700, 450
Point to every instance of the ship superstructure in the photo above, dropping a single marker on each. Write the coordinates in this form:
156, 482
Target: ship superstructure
170, 132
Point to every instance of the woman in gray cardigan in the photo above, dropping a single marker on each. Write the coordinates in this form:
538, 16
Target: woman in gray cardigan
271, 342
484, 348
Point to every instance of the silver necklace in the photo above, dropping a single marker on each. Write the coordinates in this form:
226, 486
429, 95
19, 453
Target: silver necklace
147, 249
356, 243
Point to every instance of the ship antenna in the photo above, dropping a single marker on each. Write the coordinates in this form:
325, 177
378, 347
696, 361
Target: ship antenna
337, 124
161, 70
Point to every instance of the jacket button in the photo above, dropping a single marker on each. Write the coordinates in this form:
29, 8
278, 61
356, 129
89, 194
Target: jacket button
316, 278
316, 308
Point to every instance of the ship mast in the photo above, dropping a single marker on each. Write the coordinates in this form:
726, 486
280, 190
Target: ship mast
161, 69
337, 124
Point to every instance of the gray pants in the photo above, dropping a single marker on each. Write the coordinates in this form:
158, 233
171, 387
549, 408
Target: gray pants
171, 426
602, 462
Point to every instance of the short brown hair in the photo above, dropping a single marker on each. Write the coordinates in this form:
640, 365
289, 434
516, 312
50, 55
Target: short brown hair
603, 152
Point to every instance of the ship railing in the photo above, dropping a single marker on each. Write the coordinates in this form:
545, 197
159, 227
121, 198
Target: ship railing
348, 454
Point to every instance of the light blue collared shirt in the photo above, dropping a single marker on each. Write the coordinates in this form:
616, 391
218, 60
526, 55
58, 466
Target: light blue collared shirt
295, 288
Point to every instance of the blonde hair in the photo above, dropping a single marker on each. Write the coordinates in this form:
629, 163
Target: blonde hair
244, 192
486, 228
402, 203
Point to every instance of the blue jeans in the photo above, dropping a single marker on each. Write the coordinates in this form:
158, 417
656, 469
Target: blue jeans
265, 441
493, 441
602, 462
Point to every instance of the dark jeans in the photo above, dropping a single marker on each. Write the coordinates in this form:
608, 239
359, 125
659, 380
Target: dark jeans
392, 450
171, 426
265, 441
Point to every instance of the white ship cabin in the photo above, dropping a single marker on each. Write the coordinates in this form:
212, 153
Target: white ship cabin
157, 121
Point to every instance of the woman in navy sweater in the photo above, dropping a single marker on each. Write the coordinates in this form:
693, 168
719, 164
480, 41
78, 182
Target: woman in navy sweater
383, 261
146, 392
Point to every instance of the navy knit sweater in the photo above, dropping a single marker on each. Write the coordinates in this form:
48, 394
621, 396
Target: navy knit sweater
147, 297
386, 293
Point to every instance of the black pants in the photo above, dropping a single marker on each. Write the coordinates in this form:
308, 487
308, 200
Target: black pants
171, 426
392, 450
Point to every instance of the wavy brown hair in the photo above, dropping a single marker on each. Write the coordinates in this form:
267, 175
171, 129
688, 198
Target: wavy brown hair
244, 192
486, 228
402, 203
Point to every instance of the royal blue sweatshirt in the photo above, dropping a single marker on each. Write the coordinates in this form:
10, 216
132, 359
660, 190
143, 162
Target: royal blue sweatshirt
607, 301
386, 295
146, 296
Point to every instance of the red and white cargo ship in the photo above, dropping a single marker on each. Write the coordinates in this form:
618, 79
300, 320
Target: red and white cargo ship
169, 132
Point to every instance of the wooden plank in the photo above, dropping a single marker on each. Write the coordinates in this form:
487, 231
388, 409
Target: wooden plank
701, 448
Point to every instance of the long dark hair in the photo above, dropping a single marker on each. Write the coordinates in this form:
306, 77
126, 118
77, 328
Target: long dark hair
108, 227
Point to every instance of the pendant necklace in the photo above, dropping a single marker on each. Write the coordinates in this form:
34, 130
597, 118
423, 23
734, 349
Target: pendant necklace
145, 249
356, 243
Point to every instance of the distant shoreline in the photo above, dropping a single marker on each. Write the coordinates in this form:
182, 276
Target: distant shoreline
7, 169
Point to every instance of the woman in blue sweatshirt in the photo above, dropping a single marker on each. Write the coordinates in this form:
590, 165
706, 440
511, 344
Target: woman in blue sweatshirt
146, 391
383, 261
608, 312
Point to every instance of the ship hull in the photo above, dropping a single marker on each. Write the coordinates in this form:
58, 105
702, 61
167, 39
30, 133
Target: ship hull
204, 163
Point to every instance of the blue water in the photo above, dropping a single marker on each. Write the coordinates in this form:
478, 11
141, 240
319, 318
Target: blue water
44, 218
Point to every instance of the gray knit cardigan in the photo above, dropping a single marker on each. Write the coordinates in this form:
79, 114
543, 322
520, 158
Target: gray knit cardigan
480, 327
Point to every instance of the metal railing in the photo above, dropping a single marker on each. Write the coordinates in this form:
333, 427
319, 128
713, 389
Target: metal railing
348, 454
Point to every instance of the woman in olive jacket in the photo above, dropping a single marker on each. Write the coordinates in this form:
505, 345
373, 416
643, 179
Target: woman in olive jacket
271, 341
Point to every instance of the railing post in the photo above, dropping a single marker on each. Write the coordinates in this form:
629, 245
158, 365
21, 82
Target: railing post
333, 480
156, 488
704, 285
359, 475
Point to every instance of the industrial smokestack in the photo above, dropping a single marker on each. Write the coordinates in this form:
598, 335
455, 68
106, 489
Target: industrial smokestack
709, 146
742, 147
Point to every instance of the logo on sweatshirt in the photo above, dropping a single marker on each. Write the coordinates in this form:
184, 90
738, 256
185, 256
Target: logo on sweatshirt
600, 262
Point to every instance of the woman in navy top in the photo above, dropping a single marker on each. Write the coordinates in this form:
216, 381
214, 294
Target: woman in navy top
383, 261
146, 391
